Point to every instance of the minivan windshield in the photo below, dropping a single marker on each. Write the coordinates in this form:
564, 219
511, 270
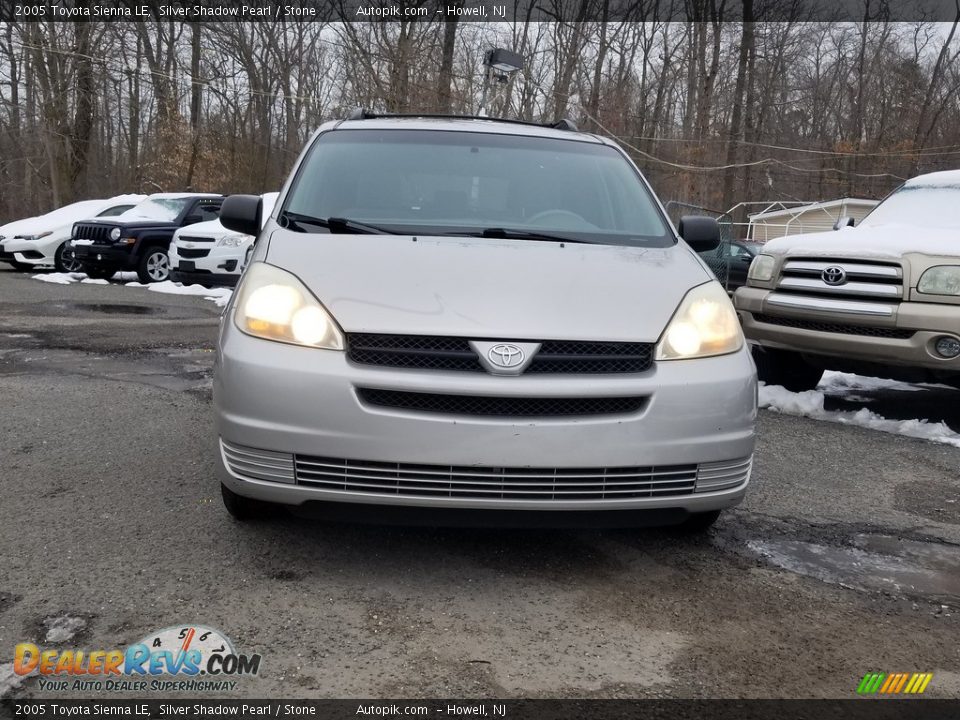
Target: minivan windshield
467, 183
921, 205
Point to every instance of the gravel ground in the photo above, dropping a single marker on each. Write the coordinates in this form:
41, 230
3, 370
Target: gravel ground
844, 559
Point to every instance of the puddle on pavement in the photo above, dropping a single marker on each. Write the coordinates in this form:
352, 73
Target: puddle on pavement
876, 562
112, 309
153, 370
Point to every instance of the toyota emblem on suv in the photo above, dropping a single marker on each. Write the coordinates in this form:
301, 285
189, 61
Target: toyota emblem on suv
505, 355
834, 275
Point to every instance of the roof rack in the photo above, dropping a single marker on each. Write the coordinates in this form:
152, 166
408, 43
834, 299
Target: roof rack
360, 113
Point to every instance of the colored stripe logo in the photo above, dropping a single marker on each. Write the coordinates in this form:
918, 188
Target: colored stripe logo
894, 683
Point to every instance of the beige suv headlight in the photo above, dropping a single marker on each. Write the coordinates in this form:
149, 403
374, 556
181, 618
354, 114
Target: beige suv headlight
705, 324
761, 269
273, 304
940, 280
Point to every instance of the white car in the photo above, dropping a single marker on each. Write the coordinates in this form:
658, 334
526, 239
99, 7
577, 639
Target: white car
44, 241
209, 254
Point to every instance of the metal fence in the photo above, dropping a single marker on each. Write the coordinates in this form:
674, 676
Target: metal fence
720, 260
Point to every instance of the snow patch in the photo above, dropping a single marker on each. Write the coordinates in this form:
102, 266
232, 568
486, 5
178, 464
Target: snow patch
810, 404
60, 629
61, 278
92, 281
841, 382
9, 680
221, 296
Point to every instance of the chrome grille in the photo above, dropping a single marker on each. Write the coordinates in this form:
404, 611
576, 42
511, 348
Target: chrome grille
405, 479
863, 280
258, 464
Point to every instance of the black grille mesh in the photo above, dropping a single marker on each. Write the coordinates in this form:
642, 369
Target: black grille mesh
881, 332
500, 406
91, 231
424, 352
427, 352
190, 253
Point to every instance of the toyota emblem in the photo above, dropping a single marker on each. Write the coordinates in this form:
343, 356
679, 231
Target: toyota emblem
834, 275
505, 355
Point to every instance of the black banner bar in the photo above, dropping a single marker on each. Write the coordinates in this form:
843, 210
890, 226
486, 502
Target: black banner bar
855, 709
856, 11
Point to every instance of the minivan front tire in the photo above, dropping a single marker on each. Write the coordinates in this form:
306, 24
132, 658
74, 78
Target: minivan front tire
243, 508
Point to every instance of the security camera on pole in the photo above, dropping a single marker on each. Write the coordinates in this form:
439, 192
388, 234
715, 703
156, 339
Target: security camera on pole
500, 64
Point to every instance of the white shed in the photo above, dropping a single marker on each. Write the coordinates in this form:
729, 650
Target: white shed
810, 218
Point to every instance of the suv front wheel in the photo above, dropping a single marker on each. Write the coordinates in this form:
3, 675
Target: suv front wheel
789, 369
154, 266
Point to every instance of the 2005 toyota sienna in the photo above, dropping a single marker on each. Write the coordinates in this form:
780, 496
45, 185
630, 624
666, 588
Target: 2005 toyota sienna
479, 320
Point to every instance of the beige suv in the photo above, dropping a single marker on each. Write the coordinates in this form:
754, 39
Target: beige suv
882, 298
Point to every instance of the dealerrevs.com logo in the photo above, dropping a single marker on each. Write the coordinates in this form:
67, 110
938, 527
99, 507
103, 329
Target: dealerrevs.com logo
178, 658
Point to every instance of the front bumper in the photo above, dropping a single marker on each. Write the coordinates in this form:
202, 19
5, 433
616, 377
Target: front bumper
106, 256
923, 322
296, 401
220, 266
29, 252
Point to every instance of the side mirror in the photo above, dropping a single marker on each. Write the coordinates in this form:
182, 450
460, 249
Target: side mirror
842, 222
700, 233
241, 213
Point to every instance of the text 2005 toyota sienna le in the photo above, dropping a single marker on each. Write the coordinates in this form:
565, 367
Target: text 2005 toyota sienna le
473, 320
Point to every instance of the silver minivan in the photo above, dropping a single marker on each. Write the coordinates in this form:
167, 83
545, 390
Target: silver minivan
484, 321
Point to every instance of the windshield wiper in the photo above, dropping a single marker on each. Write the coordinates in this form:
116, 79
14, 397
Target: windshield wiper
335, 224
496, 232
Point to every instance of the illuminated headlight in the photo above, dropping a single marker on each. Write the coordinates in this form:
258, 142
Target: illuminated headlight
233, 240
273, 304
705, 324
115, 234
761, 269
940, 280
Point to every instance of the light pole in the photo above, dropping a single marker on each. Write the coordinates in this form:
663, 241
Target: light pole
500, 65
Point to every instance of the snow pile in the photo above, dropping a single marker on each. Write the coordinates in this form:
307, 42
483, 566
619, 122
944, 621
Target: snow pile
810, 404
9, 680
61, 278
221, 296
63, 628
841, 383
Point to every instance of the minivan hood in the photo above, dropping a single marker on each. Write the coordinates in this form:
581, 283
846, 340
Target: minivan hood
490, 288
881, 241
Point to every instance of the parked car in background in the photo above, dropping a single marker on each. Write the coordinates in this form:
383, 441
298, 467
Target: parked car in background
881, 298
730, 261
139, 239
44, 241
209, 254
479, 316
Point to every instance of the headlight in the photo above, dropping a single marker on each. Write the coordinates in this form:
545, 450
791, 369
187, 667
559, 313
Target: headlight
274, 305
233, 240
115, 234
940, 280
705, 324
36, 237
761, 269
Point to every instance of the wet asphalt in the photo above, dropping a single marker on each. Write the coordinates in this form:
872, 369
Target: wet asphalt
844, 558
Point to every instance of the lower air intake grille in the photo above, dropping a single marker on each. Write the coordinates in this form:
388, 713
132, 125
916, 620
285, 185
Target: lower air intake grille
881, 332
257, 464
482, 405
525, 483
